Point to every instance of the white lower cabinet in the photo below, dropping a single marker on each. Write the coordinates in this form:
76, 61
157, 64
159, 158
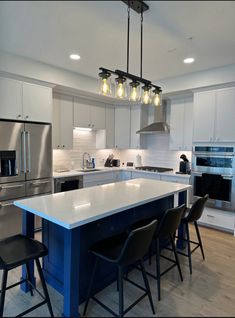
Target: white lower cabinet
224, 220
137, 174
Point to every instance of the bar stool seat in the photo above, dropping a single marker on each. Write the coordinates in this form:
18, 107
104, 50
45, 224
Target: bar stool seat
123, 250
19, 250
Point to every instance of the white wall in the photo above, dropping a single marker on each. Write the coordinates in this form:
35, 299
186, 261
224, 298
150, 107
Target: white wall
212, 77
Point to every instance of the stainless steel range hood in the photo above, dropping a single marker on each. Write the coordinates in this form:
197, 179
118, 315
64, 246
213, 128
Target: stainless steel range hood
158, 124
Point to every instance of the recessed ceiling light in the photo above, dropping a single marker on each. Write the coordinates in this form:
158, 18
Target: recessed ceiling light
189, 60
75, 57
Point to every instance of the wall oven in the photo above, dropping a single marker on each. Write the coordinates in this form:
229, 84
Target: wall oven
213, 172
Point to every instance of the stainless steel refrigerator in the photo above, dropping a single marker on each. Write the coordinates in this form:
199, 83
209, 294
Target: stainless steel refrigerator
25, 169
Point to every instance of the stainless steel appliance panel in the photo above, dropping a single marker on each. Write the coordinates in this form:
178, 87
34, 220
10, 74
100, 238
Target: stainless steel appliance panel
40, 186
68, 183
12, 190
11, 219
38, 151
11, 140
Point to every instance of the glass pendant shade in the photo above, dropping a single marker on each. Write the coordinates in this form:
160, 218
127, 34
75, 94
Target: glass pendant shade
105, 85
134, 95
146, 95
120, 88
157, 98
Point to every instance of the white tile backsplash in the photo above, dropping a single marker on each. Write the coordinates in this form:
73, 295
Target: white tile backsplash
82, 141
156, 154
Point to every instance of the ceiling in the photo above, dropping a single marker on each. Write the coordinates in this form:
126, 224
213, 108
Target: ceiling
49, 31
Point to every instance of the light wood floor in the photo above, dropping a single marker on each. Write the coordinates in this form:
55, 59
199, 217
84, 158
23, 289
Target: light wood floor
208, 292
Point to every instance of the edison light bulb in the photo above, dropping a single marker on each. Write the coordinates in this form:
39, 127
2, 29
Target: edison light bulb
156, 100
120, 87
104, 83
120, 90
134, 92
146, 98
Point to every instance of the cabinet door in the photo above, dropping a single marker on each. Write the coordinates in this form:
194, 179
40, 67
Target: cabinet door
188, 125
122, 127
37, 103
82, 116
177, 125
62, 124
66, 122
225, 128
136, 140
56, 122
10, 99
110, 124
204, 116
97, 116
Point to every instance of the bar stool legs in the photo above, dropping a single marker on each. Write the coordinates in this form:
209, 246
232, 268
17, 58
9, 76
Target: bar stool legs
147, 286
199, 239
44, 286
3, 291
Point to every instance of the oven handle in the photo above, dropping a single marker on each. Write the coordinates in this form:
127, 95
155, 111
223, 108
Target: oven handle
227, 177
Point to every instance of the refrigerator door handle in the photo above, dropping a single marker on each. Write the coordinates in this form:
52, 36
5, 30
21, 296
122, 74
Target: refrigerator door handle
23, 152
28, 159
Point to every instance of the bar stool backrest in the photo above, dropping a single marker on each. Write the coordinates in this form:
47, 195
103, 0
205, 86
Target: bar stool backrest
137, 244
196, 210
170, 221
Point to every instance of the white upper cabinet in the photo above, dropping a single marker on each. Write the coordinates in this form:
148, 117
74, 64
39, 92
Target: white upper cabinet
105, 138
139, 118
225, 127
62, 124
181, 120
25, 101
89, 114
214, 113
204, 116
122, 126
10, 99
37, 103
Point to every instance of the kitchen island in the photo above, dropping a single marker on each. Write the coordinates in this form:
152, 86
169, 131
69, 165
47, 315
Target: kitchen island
75, 220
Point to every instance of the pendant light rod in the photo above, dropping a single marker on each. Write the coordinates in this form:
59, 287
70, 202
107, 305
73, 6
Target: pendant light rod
128, 36
141, 45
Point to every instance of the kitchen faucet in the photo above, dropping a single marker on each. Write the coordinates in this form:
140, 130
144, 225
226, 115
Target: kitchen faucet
86, 163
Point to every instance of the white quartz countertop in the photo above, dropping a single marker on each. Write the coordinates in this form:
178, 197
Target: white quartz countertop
71, 173
74, 208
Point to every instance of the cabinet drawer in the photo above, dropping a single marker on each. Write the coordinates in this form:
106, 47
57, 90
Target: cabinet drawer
10, 191
217, 218
98, 176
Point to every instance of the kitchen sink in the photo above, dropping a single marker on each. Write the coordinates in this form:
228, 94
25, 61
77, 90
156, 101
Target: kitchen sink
88, 170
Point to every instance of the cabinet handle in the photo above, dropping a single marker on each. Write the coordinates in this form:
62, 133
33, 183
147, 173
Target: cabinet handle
18, 116
210, 216
26, 117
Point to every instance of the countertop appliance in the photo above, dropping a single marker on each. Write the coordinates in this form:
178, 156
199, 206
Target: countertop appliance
184, 167
213, 172
25, 169
111, 162
68, 183
154, 169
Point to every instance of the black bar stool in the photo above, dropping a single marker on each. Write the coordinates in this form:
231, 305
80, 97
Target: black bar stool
19, 250
123, 250
165, 230
191, 216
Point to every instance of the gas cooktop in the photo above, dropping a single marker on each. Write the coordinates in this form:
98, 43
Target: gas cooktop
153, 169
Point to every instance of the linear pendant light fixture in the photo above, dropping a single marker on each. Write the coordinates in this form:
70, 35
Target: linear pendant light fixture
139, 88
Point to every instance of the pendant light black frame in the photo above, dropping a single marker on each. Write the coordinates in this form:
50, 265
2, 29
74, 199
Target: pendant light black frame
140, 7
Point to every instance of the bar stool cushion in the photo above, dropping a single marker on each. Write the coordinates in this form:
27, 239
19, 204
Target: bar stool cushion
18, 249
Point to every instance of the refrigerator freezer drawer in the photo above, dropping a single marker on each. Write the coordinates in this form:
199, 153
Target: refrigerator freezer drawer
13, 190
36, 187
10, 219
